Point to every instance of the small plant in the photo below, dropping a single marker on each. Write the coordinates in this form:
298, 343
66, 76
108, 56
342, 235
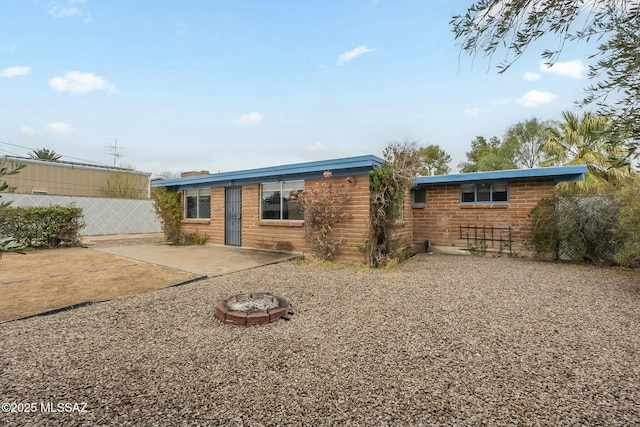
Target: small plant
480, 250
196, 238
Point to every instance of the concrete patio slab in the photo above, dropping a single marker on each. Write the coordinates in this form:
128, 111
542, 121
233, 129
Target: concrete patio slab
205, 260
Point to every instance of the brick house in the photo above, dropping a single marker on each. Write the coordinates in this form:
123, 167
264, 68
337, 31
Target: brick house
256, 208
483, 210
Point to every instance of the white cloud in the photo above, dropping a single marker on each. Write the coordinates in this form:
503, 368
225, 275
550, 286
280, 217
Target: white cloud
348, 56
504, 101
26, 130
11, 48
12, 72
80, 83
62, 11
317, 146
249, 118
471, 112
533, 98
532, 77
58, 128
574, 69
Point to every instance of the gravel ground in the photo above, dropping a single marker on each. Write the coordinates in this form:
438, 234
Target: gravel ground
440, 340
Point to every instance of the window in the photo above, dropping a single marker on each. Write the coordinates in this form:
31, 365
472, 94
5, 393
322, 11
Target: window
279, 200
419, 196
484, 192
197, 203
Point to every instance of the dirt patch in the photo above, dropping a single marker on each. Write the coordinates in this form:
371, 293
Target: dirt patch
51, 279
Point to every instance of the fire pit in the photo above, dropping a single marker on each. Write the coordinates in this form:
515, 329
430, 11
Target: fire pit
251, 309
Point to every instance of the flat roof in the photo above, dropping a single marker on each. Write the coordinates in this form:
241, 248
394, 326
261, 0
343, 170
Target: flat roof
70, 165
558, 174
297, 171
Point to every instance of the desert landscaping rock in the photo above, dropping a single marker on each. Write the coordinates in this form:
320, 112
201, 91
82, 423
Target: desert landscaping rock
445, 341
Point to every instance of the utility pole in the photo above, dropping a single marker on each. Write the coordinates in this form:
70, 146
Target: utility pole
114, 152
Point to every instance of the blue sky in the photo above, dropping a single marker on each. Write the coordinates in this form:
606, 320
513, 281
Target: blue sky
236, 84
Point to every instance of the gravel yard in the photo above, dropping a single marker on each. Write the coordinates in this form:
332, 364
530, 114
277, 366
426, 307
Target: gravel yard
440, 340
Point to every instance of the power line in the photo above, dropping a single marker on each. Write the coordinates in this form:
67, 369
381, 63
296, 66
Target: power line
69, 157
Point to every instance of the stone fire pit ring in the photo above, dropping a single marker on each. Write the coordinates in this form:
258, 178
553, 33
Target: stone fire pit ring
252, 309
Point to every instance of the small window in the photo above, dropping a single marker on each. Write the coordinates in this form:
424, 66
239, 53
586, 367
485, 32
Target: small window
197, 203
484, 193
468, 193
279, 201
420, 196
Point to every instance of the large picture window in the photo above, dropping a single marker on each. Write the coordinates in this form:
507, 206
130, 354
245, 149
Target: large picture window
197, 203
279, 200
495, 192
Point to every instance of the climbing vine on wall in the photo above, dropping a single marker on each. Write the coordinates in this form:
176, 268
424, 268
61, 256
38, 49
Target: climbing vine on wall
324, 206
389, 186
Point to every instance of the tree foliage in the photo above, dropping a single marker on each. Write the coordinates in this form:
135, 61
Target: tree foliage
587, 141
123, 185
44, 154
168, 205
389, 185
489, 155
435, 161
627, 230
489, 26
528, 138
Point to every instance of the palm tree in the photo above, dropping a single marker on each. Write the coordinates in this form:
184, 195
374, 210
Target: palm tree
586, 141
45, 154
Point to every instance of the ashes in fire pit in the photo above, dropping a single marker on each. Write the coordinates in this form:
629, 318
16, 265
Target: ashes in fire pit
251, 309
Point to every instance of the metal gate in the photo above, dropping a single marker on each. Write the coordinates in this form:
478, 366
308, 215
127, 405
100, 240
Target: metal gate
233, 216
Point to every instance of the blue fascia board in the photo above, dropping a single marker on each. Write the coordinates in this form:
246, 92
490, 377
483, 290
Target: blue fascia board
557, 174
340, 167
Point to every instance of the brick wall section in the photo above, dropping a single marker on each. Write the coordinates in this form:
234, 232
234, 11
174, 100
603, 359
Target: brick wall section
288, 235
440, 219
276, 235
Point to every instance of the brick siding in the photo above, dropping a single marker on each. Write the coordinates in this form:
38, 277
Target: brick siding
288, 235
440, 220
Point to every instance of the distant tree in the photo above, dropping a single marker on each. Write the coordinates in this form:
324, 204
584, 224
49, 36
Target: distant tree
435, 161
44, 154
489, 155
586, 141
123, 185
528, 138
489, 26
168, 175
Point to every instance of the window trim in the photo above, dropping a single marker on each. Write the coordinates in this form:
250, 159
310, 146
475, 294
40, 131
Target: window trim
415, 204
282, 184
199, 193
491, 193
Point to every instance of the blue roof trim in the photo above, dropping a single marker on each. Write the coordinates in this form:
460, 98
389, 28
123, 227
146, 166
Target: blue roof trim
339, 167
558, 174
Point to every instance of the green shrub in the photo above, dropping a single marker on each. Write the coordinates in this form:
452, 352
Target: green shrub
42, 226
575, 226
627, 230
196, 238
168, 205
